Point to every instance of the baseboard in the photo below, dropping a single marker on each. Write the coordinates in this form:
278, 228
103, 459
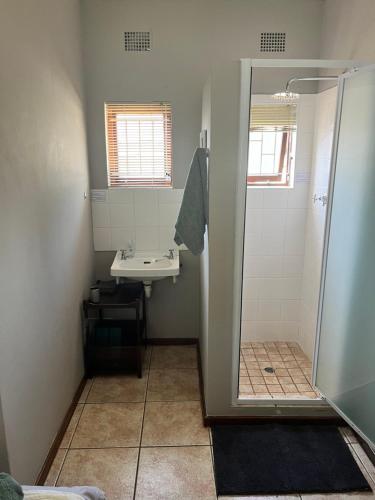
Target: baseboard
172, 341
201, 385
42, 476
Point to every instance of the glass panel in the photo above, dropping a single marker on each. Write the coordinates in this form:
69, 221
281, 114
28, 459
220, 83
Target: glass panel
346, 358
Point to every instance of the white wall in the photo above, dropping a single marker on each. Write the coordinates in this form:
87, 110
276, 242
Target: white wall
348, 30
145, 217
188, 38
45, 225
275, 245
316, 215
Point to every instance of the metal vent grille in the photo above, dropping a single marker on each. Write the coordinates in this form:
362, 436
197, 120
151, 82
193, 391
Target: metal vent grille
137, 41
272, 42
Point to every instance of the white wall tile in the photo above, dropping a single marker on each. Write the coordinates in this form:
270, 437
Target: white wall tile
168, 213
121, 237
168, 195
250, 310
146, 207
279, 288
147, 238
128, 210
254, 198
298, 197
254, 220
292, 265
263, 266
275, 243
121, 215
290, 310
251, 288
120, 195
102, 238
269, 310
166, 237
275, 198
273, 220
100, 214
272, 244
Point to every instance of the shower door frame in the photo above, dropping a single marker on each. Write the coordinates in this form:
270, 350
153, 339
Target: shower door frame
268, 405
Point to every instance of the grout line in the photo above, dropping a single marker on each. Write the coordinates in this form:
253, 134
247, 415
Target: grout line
141, 433
62, 465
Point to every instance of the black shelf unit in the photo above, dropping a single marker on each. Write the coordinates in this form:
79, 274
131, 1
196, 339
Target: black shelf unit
105, 350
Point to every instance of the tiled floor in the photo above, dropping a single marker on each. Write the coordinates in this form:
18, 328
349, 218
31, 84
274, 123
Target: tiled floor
275, 370
144, 439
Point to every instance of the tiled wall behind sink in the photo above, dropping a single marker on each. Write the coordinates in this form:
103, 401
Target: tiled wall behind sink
144, 216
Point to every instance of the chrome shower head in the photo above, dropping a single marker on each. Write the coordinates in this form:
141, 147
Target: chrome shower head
288, 97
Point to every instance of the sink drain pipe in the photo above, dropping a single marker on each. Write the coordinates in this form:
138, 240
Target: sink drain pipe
148, 288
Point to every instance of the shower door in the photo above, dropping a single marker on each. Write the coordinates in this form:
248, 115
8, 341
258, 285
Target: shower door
345, 352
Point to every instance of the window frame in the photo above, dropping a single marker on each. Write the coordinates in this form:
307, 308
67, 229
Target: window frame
286, 160
275, 179
111, 139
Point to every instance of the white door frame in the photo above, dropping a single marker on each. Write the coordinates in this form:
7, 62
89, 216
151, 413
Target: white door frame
240, 210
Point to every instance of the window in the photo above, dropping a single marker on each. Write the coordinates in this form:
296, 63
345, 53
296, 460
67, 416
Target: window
139, 144
272, 138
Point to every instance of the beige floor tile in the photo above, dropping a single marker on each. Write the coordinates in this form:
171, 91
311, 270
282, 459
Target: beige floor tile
86, 390
285, 380
65, 443
55, 469
119, 389
175, 473
146, 357
174, 424
165, 357
173, 385
257, 380
291, 367
109, 425
112, 470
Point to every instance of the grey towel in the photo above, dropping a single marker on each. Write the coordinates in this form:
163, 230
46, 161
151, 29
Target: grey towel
9, 488
193, 216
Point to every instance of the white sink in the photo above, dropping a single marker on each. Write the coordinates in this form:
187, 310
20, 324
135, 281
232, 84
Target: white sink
146, 267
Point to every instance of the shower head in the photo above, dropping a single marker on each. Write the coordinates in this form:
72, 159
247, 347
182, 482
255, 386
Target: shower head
288, 97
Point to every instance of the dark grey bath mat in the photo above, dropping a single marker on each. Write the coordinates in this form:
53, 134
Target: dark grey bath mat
271, 459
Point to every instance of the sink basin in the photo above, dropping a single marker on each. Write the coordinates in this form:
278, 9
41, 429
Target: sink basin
146, 266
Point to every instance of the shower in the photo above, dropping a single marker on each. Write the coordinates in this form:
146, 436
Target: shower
288, 96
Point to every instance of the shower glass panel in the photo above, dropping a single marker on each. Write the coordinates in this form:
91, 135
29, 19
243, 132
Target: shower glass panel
345, 371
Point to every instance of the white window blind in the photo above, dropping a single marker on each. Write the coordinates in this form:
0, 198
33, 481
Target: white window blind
276, 117
139, 144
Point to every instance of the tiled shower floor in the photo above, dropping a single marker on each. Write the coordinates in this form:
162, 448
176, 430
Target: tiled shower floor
275, 370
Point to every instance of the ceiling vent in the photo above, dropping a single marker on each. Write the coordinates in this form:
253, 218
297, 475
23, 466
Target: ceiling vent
272, 42
137, 41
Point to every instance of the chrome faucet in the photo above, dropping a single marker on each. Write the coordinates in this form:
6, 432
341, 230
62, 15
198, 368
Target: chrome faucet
170, 256
124, 254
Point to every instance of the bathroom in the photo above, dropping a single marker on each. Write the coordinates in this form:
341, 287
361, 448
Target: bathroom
222, 323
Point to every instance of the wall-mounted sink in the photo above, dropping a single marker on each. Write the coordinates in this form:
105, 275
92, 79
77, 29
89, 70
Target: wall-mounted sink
146, 267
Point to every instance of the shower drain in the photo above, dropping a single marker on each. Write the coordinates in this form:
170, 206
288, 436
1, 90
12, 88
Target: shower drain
269, 369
